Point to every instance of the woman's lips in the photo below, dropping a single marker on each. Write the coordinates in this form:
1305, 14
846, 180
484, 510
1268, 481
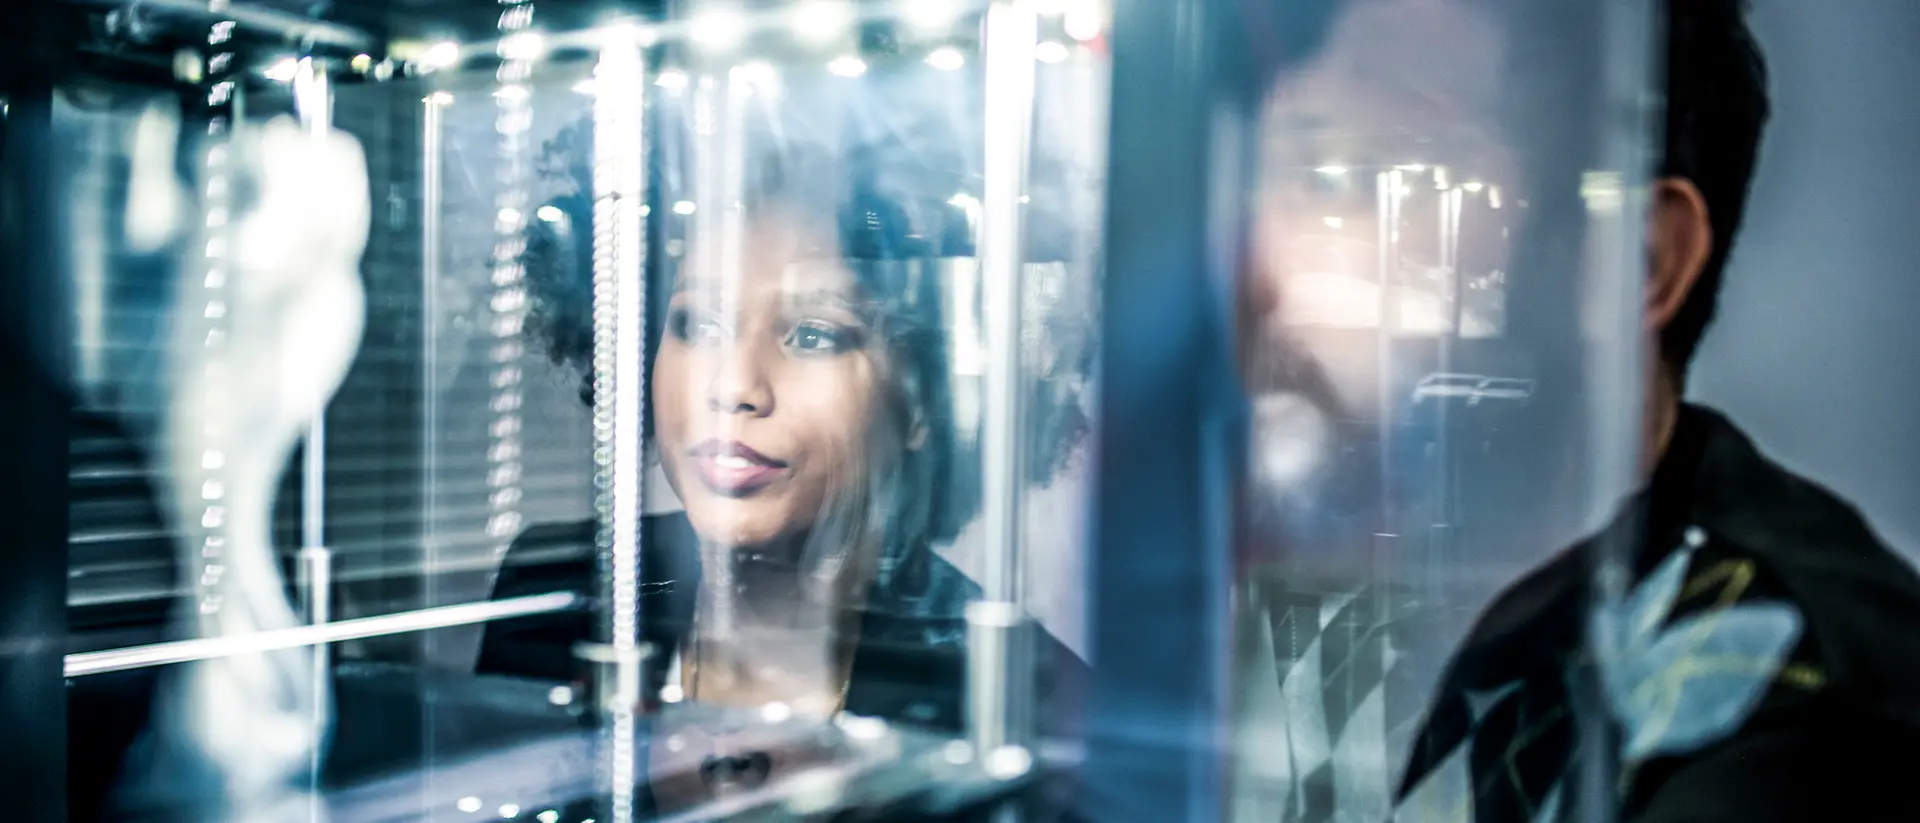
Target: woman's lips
734, 469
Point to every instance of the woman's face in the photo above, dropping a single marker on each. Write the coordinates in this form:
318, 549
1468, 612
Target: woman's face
766, 387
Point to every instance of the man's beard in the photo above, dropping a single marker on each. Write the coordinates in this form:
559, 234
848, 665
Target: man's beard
1302, 475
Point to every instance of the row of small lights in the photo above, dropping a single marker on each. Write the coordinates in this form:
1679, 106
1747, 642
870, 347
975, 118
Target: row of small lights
1440, 180
818, 22
508, 811
1441, 183
945, 58
508, 303
222, 91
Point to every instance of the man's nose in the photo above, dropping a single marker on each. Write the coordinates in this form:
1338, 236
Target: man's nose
740, 384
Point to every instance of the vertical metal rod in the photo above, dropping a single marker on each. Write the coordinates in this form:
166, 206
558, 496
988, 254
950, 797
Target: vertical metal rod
1446, 492
619, 331
316, 583
313, 102
1451, 205
1388, 184
715, 166
1012, 31
433, 113
1631, 43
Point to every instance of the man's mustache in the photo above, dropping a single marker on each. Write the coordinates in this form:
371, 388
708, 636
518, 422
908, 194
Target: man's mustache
1280, 363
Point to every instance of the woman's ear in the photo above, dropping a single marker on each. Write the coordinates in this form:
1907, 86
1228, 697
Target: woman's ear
1679, 242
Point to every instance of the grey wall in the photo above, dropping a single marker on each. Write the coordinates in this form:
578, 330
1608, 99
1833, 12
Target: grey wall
1816, 349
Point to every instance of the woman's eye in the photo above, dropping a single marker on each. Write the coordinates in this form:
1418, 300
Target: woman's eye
695, 327
816, 337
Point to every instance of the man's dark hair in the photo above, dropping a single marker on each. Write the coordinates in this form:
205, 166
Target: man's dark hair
1717, 107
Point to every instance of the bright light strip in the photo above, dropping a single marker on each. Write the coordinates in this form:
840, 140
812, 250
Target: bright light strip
1474, 188
759, 76
672, 79
526, 45
847, 66
717, 30
441, 55
820, 21
283, 71
946, 58
1332, 170
1051, 51
621, 33
550, 214
1084, 20
173, 652
683, 207
928, 16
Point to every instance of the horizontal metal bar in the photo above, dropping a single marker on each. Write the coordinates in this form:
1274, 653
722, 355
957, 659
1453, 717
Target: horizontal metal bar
207, 648
483, 559
290, 27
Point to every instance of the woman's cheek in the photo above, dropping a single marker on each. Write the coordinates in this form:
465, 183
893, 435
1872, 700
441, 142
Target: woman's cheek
834, 403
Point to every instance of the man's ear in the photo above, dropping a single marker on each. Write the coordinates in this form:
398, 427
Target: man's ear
917, 433
1679, 242
916, 416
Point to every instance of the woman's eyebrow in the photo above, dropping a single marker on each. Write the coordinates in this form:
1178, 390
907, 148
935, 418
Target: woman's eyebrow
697, 286
820, 298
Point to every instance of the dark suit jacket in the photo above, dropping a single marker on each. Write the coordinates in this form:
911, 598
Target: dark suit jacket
909, 663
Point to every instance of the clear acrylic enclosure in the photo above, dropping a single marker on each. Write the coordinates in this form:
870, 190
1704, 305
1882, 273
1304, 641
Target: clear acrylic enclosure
596, 415
1134, 410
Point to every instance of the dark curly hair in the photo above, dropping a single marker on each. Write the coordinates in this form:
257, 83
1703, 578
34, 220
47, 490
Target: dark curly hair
891, 204
1717, 109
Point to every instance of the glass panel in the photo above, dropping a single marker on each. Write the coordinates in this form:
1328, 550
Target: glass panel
672, 450
1440, 350
823, 406
1060, 322
506, 436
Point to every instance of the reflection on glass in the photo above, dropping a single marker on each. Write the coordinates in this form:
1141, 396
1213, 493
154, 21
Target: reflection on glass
1496, 568
1420, 394
813, 419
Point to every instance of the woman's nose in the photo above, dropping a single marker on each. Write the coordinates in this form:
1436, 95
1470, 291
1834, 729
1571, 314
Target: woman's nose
740, 384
